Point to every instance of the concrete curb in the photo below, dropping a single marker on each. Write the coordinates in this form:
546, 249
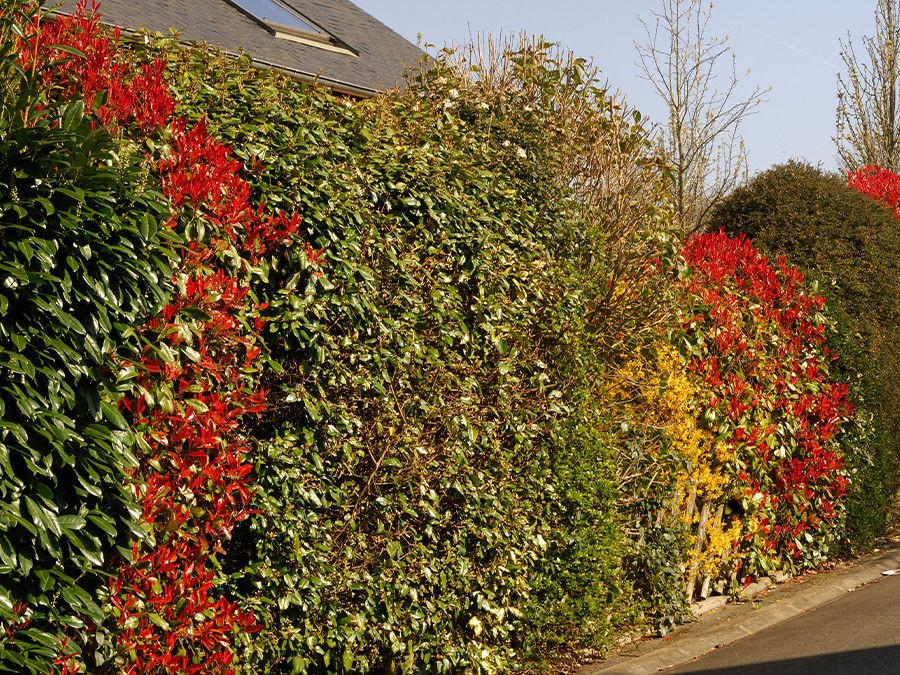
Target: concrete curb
723, 625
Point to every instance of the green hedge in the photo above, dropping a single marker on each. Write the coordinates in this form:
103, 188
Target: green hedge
439, 470
428, 499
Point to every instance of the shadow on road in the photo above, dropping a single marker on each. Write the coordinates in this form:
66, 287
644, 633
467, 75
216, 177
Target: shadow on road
875, 661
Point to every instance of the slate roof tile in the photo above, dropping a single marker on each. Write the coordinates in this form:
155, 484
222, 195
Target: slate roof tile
379, 59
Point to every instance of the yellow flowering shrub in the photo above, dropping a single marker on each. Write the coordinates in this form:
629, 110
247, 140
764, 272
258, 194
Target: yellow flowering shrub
658, 398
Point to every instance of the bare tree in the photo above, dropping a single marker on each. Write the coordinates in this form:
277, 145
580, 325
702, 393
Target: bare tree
868, 117
701, 140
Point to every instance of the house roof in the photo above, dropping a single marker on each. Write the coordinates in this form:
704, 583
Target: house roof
364, 56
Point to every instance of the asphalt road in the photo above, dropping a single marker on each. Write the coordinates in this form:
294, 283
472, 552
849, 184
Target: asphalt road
857, 634
844, 619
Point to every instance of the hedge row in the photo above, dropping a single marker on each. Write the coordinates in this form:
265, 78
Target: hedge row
428, 498
450, 423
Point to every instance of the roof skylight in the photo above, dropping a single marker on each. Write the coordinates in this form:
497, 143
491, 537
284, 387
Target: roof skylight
278, 15
287, 23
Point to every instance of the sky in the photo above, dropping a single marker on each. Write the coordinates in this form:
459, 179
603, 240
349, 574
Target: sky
790, 46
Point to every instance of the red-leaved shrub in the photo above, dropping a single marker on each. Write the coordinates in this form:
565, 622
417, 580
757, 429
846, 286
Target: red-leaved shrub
195, 379
754, 335
879, 184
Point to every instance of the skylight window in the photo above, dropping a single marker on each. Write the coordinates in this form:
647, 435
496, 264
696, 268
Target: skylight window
287, 23
275, 13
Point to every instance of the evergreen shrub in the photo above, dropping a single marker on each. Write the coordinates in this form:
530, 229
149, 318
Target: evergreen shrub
413, 470
84, 259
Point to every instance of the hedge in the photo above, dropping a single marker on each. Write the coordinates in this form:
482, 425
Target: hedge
850, 246
84, 259
435, 426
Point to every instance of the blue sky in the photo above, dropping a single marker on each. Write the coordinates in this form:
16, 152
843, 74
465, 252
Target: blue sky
788, 45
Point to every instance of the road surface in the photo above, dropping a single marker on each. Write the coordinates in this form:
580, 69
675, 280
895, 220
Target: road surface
857, 634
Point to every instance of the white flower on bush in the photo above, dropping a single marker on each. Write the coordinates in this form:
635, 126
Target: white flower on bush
520, 153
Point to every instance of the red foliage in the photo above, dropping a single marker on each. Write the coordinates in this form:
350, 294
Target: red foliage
879, 184
141, 100
201, 173
194, 483
759, 349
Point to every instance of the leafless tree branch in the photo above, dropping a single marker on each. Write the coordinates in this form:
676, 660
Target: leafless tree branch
701, 139
868, 118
